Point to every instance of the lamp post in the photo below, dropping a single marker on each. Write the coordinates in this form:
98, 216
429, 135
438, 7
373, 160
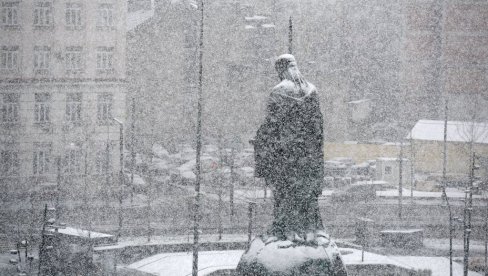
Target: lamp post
121, 174
59, 177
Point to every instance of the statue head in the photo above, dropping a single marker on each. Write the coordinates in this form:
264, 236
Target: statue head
286, 67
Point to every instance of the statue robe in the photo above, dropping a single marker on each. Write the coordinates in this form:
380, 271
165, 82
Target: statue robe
289, 155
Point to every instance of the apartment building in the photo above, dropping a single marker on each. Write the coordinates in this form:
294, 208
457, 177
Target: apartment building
445, 54
62, 83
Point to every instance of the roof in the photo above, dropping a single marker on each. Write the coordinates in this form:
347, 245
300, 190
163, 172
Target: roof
81, 233
457, 131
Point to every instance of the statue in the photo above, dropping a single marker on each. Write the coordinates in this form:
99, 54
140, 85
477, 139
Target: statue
289, 151
289, 156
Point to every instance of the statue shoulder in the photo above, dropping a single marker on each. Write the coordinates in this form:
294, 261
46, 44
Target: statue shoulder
312, 88
283, 87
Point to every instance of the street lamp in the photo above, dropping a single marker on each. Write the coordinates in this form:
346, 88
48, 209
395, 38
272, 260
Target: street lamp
121, 174
59, 177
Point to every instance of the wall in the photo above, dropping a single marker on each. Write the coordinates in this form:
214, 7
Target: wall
428, 155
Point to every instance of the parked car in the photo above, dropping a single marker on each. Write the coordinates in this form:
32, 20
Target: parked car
335, 168
360, 191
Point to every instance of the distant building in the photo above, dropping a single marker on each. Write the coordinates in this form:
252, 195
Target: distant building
445, 50
62, 81
427, 137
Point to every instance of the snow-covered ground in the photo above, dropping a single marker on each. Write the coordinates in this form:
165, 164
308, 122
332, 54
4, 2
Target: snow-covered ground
181, 263
451, 193
438, 265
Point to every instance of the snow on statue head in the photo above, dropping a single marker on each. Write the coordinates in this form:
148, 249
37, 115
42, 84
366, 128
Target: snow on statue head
286, 67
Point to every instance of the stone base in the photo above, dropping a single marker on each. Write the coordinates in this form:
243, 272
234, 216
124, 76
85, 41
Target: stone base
312, 254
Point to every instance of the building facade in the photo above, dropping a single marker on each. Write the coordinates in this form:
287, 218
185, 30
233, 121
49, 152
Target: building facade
62, 81
445, 55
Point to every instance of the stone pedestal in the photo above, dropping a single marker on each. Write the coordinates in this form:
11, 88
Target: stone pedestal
312, 254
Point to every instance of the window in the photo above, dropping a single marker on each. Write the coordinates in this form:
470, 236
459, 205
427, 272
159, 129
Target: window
105, 57
387, 170
9, 14
72, 161
9, 162
10, 108
104, 108
73, 16
42, 108
9, 56
73, 107
41, 159
105, 18
103, 162
42, 59
43, 15
74, 59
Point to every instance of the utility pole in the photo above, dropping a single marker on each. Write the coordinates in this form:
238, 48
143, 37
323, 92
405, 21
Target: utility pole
196, 215
442, 90
400, 181
42, 247
220, 182
58, 187
121, 175
107, 166
149, 193
232, 181
444, 185
486, 239
132, 152
465, 233
468, 212
412, 168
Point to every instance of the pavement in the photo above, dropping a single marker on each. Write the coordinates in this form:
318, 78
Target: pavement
431, 246
180, 264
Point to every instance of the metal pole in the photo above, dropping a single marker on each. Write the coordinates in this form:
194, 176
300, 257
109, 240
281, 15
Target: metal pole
249, 228
41, 247
231, 186
196, 215
58, 186
465, 228
121, 176
444, 184
412, 172
486, 240
107, 165
132, 152
220, 179
400, 182
468, 215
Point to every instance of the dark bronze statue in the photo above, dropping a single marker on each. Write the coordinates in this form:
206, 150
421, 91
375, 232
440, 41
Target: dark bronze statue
289, 151
289, 156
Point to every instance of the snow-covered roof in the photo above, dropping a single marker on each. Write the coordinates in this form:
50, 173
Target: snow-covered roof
255, 18
81, 233
431, 130
359, 101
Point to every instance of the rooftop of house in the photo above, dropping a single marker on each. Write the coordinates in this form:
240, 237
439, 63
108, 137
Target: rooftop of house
457, 131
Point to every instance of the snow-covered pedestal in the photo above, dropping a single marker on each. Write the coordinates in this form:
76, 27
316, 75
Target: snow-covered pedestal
312, 254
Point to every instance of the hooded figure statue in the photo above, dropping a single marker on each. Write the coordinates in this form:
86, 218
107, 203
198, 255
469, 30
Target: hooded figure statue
289, 152
289, 155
